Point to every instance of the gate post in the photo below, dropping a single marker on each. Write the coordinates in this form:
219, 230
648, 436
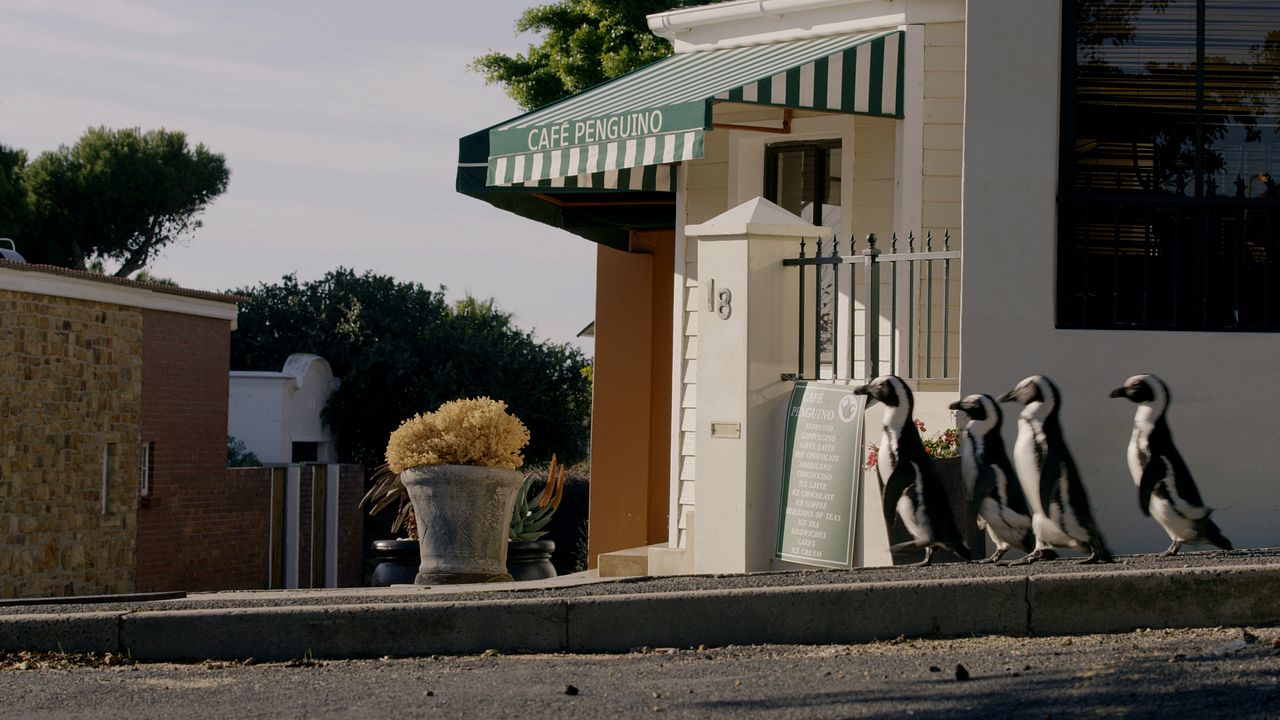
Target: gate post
747, 326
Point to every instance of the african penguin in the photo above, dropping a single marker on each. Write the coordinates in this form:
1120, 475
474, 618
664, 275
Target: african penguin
993, 487
1060, 514
1165, 487
908, 481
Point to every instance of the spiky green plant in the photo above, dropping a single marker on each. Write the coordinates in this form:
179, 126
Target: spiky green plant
387, 490
530, 517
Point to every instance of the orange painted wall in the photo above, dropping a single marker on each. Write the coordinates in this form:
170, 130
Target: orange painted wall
631, 404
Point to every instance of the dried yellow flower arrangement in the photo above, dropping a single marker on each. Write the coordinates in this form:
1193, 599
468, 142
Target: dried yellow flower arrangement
474, 431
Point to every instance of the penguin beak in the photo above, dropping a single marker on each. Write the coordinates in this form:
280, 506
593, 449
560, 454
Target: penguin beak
957, 405
1118, 393
1007, 397
862, 390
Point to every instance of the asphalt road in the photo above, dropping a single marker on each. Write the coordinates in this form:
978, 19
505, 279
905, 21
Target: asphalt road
1156, 673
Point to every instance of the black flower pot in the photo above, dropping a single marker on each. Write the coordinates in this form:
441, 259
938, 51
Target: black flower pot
530, 559
397, 562
961, 509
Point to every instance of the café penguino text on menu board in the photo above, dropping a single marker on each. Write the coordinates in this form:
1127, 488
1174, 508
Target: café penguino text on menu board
822, 472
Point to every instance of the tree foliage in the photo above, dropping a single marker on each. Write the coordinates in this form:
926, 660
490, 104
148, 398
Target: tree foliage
15, 199
121, 195
586, 42
400, 349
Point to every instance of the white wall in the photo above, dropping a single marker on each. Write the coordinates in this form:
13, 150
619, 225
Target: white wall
255, 415
269, 411
1223, 384
304, 405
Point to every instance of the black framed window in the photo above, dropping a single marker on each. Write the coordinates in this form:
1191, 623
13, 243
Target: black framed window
800, 176
1169, 208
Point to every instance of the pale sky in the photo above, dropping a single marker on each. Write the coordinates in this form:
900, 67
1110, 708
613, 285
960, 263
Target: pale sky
339, 122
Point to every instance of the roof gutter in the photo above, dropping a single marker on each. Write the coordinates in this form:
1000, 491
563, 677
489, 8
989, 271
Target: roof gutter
677, 22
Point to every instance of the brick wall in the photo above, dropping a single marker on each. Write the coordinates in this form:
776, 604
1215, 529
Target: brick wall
350, 527
191, 528
70, 386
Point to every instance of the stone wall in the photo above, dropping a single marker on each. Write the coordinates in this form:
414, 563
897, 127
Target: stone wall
70, 405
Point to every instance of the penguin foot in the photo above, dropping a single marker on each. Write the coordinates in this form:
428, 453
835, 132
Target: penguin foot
1173, 550
1096, 558
928, 558
995, 557
1031, 557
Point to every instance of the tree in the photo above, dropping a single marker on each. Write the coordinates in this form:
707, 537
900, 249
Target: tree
586, 43
121, 195
400, 349
15, 199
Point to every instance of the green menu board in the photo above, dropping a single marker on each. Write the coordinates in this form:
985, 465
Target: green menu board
823, 456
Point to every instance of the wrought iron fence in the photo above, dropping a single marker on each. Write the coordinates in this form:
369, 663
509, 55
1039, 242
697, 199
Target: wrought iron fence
830, 341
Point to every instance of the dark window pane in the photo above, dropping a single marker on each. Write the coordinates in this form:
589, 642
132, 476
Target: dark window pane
305, 452
1242, 96
1168, 208
1135, 106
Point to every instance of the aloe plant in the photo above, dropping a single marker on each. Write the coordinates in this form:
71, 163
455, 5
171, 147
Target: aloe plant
387, 490
530, 517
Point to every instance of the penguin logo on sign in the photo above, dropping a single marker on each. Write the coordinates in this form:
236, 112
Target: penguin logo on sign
848, 408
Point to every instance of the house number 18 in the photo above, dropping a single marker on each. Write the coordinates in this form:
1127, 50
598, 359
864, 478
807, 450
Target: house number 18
719, 300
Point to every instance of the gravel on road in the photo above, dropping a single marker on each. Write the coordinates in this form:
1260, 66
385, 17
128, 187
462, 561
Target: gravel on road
1153, 673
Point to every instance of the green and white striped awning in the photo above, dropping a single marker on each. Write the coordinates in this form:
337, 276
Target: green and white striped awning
657, 115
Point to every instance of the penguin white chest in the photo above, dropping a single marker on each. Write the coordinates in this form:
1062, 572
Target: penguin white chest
1026, 462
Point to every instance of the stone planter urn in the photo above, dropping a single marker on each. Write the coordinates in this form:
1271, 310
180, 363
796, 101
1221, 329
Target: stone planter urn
463, 512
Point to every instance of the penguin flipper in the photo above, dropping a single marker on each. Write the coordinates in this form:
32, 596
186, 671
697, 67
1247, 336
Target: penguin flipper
1152, 474
1050, 473
983, 486
902, 478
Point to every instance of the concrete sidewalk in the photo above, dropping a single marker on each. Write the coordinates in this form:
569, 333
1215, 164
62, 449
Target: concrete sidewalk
585, 614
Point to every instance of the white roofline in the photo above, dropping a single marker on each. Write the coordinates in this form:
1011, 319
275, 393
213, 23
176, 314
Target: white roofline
38, 283
752, 22
670, 23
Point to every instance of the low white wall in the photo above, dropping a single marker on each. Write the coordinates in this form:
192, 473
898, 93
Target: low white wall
1224, 384
256, 415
